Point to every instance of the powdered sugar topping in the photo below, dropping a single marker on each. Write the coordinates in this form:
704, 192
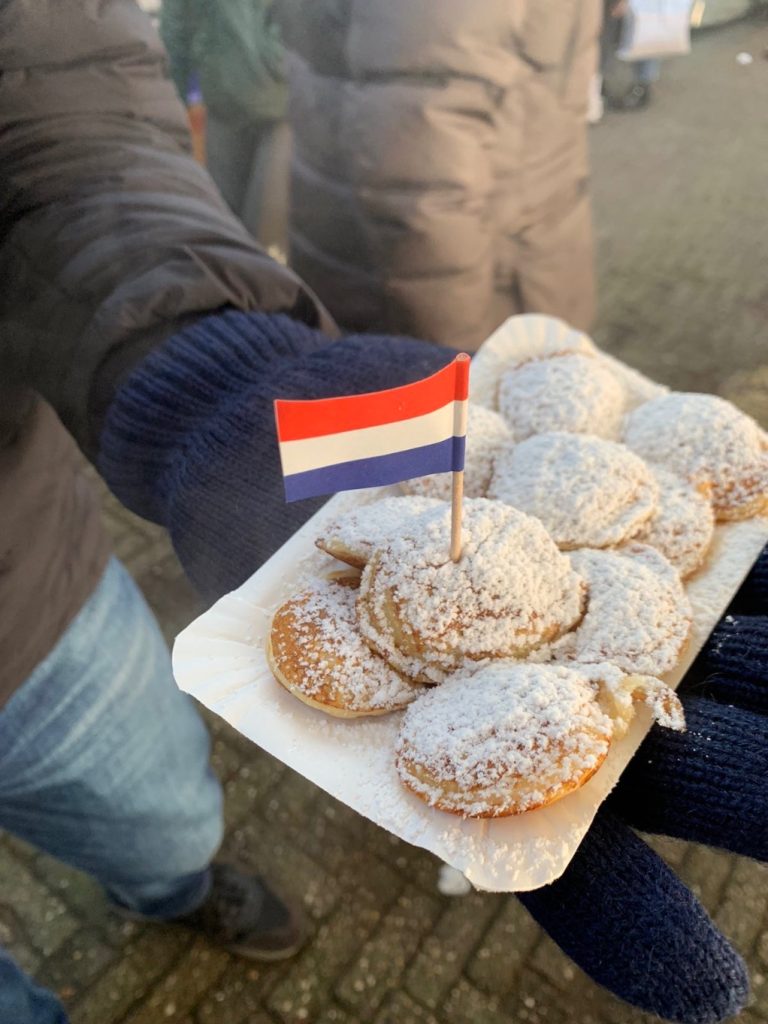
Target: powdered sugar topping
511, 591
361, 530
588, 492
323, 653
510, 733
573, 393
709, 442
683, 527
638, 616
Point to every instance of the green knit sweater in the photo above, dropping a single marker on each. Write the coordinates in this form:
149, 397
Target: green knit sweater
234, 47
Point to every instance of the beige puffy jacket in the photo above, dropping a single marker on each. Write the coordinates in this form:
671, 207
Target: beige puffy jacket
440, 179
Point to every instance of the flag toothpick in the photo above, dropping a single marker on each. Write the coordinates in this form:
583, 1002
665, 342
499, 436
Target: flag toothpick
459, 440
378, 438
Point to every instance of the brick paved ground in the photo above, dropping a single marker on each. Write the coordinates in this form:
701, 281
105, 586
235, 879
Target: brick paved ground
680, 209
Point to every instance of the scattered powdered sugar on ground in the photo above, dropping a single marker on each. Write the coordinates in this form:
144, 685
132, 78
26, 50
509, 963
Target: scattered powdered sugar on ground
328, 657
508, 724
588, 492
709, 442
638, 616
487, 434
361, 530
684, 525
511, 590
574, 393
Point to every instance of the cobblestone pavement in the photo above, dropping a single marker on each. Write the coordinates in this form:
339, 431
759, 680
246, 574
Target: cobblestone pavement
680, 211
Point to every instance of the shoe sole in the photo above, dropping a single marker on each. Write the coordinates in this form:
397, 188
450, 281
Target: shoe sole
264, 956
245, 952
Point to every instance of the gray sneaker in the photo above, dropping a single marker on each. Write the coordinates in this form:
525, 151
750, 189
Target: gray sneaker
242, 914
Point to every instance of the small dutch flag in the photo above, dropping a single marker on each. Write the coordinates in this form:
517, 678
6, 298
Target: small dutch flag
383, 437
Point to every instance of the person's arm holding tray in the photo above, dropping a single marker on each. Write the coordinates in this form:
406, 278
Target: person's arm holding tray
151, 321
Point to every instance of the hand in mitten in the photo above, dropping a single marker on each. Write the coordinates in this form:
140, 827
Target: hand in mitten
190, 442
190, 439
618, 910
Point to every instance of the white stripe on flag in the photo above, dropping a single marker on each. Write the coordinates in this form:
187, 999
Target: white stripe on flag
368, 442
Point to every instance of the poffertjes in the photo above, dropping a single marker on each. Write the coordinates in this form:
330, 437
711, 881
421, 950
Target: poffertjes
587, 492
316, 652
709, 442
510, 592
355, 535
638, 614
512, 737
683, 527
576, 393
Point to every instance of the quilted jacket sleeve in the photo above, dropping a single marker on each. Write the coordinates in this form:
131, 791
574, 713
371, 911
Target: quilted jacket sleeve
111, 236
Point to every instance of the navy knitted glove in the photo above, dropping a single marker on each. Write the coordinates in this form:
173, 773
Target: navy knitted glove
190, 442
190, 439
629, 922
618, 906
721, 760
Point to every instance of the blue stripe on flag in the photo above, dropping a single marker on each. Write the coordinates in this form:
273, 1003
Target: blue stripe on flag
441, 457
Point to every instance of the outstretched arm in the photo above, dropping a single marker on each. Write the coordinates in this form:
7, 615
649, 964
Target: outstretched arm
112, 237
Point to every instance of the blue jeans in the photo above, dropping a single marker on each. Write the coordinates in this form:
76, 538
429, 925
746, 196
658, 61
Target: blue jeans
104, 764
646, 71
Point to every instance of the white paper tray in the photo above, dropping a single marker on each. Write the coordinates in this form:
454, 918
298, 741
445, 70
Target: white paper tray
220, 660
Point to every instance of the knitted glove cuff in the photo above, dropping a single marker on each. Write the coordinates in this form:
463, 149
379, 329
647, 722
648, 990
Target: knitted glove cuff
706, 784
180, 385
629, 922
738, 647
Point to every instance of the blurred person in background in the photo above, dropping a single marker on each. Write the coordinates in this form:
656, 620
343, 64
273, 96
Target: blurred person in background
140, 321
638, 95
440, 178
644, 72
229, 53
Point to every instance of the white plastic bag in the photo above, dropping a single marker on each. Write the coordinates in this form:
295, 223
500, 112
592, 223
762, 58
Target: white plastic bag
656, 28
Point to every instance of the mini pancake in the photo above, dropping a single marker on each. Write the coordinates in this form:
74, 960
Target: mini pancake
711, 444
576, 393
683, 528
510, 592
587, 492
511, 737
316, 652
507, 739
638, 615
354, 536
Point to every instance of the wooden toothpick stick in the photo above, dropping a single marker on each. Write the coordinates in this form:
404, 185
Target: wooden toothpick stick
457, 494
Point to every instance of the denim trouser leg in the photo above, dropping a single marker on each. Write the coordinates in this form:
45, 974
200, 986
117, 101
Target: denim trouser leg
647, 71
104, 762
23, 1002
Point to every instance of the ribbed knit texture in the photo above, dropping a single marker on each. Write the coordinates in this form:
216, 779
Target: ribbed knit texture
190, 441
733, 666
707, 784
632, 925
753, 595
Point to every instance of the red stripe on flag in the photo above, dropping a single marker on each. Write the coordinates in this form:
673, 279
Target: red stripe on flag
298, 420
